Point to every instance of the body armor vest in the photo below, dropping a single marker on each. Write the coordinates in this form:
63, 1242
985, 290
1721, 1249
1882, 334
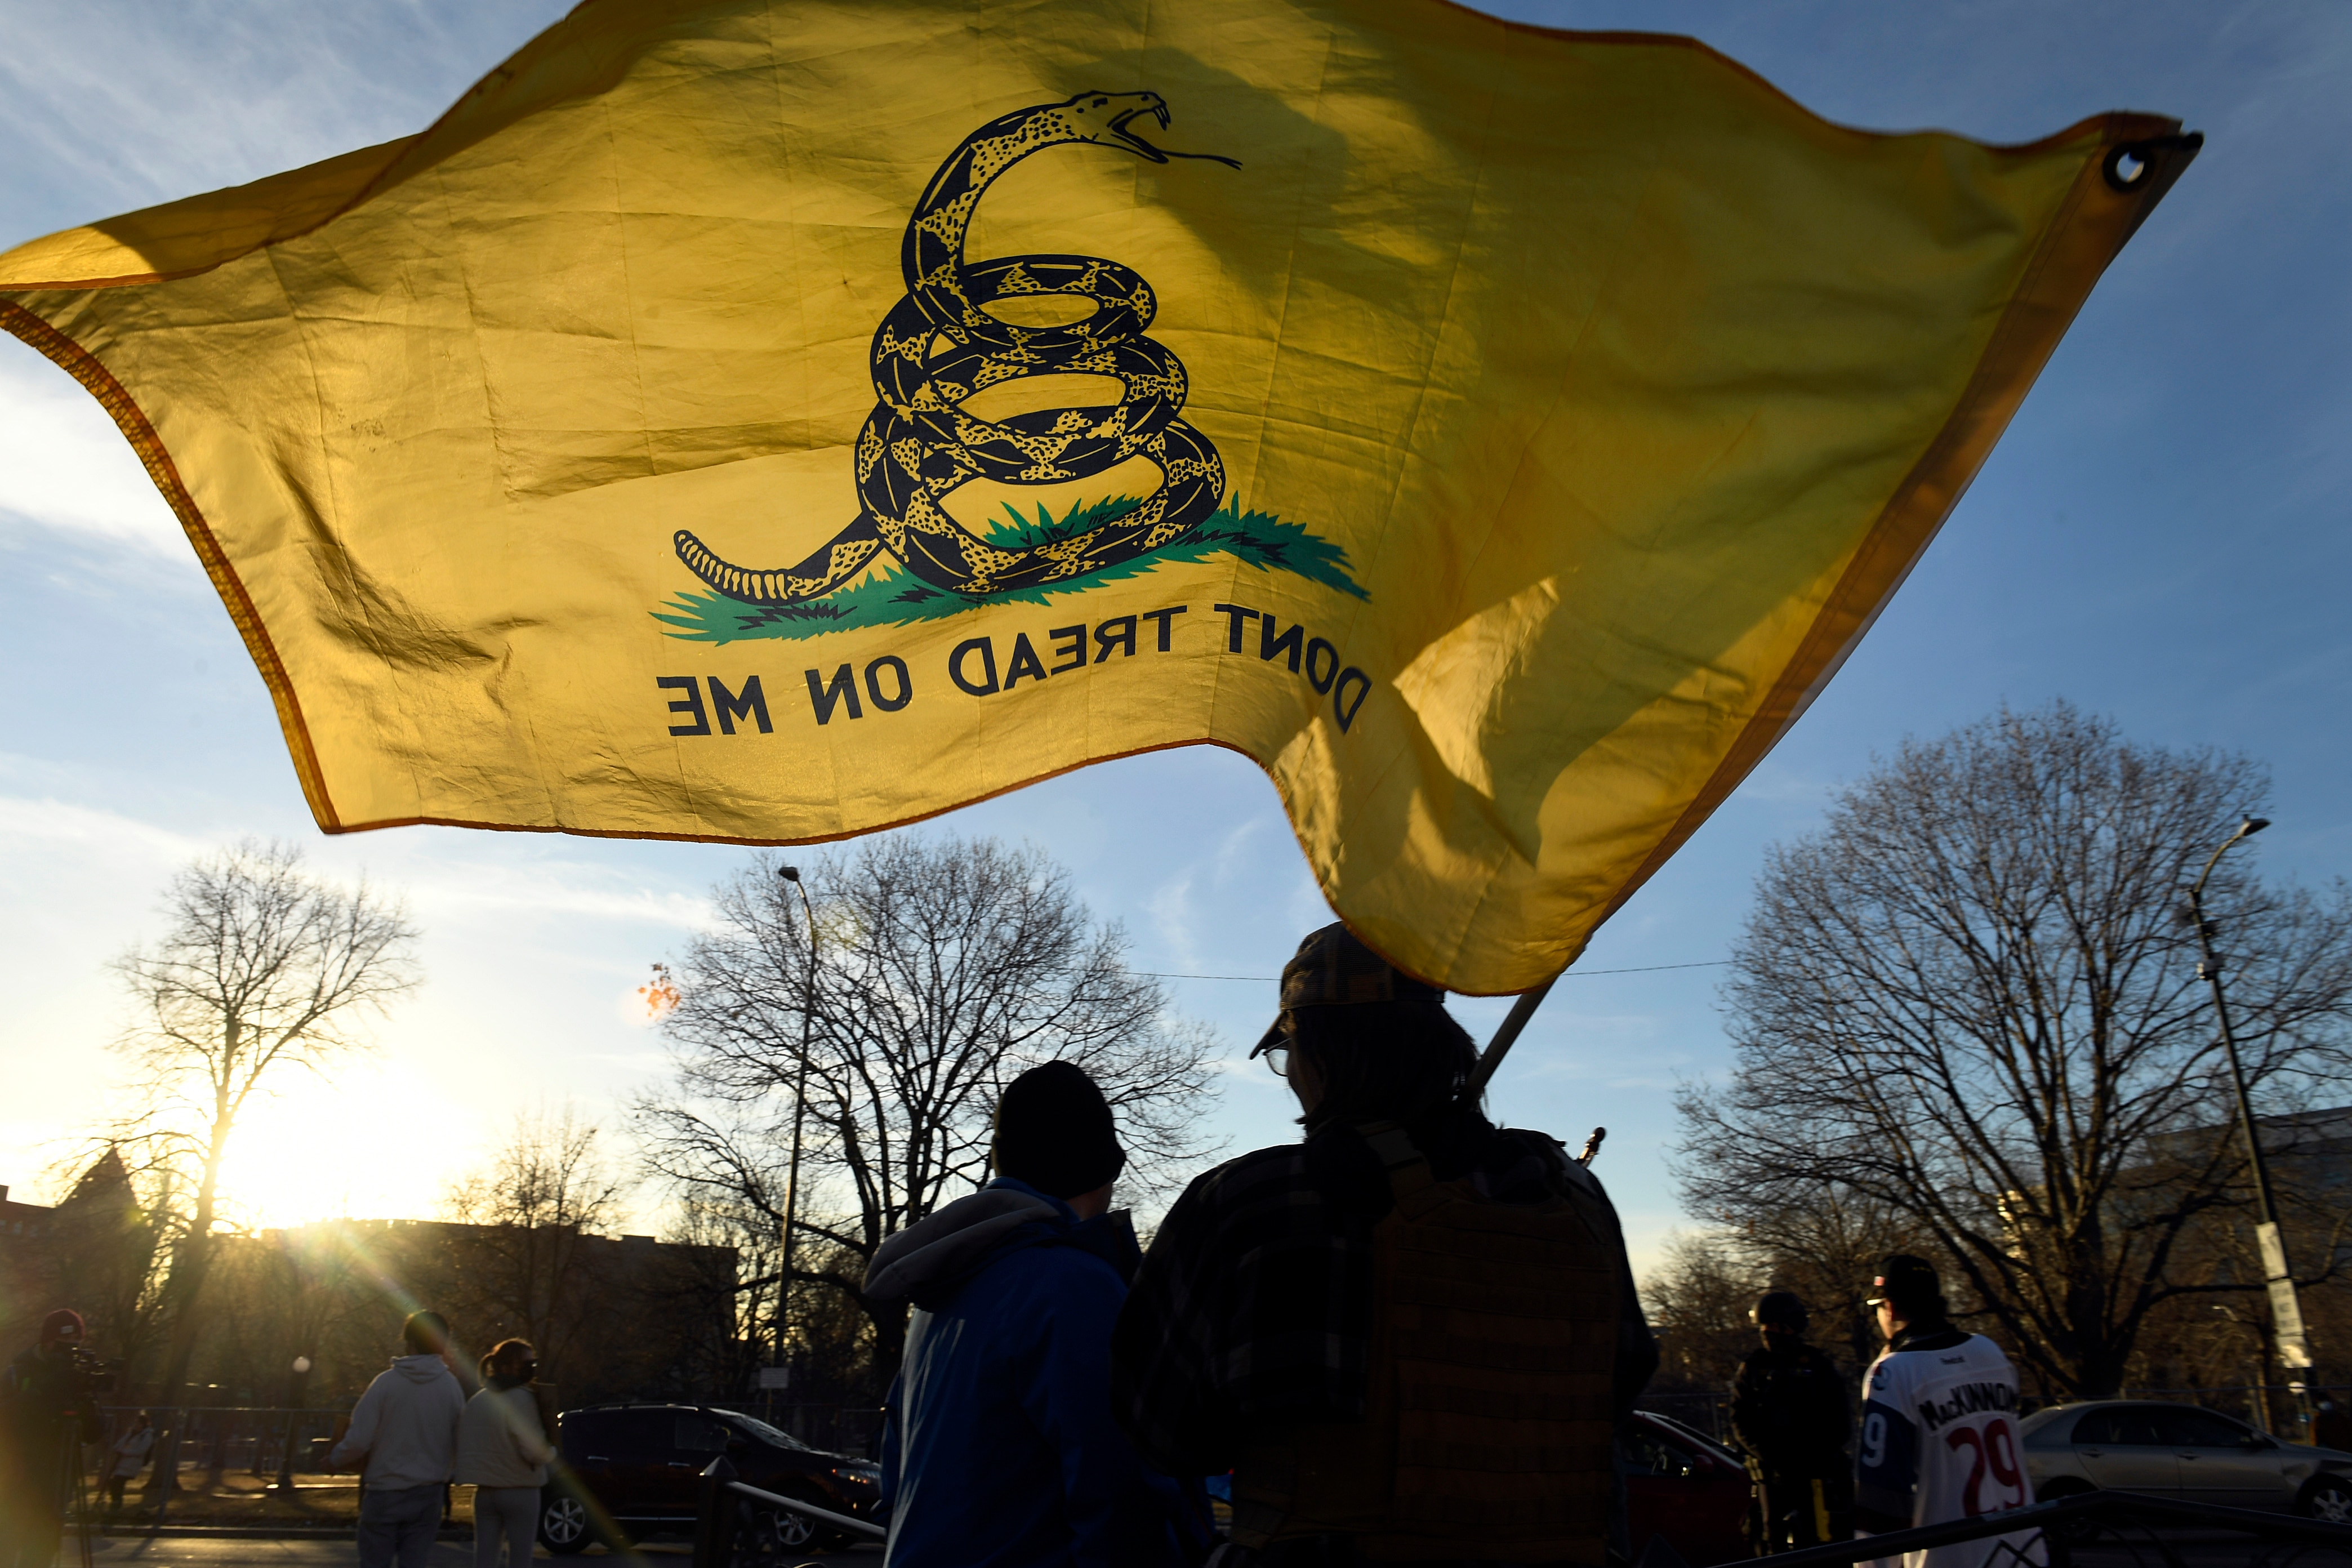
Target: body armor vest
1489, 1429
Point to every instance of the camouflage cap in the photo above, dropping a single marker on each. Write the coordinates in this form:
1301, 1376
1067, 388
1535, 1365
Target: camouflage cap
1333, 968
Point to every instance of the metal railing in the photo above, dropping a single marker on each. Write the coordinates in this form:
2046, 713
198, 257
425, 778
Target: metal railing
2095, 1530
276, 1443
1710, 1410
733, 1527
2107, 1528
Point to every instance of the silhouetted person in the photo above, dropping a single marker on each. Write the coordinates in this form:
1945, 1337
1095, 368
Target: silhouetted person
2330, 1428
46, 1415
1790, 1411
128, 1457
502, 1453
404, 1436
1000, 1447
1412, 1337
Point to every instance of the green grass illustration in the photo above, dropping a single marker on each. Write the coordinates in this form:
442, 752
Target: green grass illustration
897, 599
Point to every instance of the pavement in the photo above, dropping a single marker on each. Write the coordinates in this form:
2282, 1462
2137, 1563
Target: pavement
197, 1551
185, 1551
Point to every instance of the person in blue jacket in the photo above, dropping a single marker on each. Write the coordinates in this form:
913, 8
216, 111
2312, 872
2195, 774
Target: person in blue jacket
1000, 1448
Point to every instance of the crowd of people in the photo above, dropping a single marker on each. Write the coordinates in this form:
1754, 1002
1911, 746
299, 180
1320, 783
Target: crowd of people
412, 1435
1938, 1437
1411, 1336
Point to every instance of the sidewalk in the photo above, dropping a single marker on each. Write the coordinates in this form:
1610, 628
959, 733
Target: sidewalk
187, 1551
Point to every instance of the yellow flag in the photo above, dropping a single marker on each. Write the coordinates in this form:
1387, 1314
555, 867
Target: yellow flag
772, 421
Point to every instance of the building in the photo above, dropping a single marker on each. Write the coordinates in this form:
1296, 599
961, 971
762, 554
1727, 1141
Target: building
93, 1251
611, 1316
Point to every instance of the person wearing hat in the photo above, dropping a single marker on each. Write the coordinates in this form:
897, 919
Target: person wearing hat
1791, 1413
1938, 1439
46, 1415
1412, 1336
998, 1446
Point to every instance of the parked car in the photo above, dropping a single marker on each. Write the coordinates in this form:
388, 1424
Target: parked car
1685, 1486
2181, 1451
628, 1470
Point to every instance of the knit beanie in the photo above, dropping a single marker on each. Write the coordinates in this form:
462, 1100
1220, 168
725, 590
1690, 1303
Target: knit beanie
1054, 1131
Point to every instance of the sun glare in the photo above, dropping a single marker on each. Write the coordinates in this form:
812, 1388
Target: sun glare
369, 1145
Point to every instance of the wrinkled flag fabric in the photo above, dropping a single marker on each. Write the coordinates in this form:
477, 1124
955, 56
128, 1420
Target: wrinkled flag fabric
771, 422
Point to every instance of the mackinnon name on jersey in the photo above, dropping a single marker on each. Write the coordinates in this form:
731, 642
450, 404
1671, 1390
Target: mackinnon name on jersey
1968, 1399
983, 666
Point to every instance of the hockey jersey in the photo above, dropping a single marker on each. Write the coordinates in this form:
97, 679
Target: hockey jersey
1939, 1442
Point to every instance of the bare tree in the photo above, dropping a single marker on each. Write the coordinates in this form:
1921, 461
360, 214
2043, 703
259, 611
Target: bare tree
1823, 1242
262, 975
709, 1218
942, 969
535, 1207
1971, 999
1697, 1300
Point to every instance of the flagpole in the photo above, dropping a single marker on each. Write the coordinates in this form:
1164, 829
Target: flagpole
1505, 1038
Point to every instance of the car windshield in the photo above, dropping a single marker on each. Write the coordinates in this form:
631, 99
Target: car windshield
765, 1433
1683, 1429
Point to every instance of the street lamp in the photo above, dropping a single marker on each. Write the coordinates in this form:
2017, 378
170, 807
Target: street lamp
295, 1387
792, 874
2286, 1312
2258, 1404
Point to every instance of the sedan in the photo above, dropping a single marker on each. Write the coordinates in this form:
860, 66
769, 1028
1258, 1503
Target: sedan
2181, 1451
1683, 1489
631, 1471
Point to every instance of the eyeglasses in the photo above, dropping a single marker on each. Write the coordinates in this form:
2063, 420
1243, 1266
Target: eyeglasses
1278, 1058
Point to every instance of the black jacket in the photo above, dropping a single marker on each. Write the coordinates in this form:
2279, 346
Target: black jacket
1789, 1409
44, 1413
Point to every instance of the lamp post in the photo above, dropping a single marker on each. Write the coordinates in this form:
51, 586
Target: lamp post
792, 874
2258, 1403
297, 1385
2286, 1312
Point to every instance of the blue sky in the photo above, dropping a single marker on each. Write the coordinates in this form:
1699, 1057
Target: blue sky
2160, 537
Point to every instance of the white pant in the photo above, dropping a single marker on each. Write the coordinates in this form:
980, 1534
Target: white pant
511, 1512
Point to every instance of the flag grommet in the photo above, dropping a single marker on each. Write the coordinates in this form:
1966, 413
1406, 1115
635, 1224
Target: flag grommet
2126, 167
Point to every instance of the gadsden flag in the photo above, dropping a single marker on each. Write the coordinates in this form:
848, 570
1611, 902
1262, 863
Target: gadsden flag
771, 420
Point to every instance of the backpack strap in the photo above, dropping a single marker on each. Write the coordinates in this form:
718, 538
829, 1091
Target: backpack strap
1408, 1167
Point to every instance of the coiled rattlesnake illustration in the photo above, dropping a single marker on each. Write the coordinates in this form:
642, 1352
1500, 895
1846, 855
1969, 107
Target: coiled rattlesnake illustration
939, 344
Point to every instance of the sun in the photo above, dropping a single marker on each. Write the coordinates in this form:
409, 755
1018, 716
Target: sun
368, 1143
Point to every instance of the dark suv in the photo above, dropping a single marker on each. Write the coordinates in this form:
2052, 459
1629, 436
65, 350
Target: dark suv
636, 1469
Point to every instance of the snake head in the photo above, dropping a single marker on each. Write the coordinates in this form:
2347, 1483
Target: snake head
1107, 120
1103, 119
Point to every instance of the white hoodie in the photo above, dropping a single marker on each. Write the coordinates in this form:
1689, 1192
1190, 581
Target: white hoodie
499, 1443
406, 1424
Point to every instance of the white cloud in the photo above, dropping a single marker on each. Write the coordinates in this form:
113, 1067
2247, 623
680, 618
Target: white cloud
58, 822
1171, 908
1235, 854
65, 464
466, 888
